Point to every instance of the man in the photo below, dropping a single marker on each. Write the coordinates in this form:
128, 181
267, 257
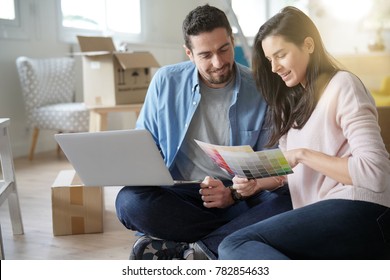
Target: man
213, 99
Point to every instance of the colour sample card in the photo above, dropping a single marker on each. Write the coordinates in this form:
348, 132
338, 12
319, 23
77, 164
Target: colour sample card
244, 162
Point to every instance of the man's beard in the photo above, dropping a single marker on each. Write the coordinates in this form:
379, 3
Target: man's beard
221, 79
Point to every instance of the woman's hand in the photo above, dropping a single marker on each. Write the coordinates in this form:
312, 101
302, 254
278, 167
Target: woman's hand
293, 156
244, 186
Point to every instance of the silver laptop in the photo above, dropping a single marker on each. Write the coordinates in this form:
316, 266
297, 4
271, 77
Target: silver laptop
116, 158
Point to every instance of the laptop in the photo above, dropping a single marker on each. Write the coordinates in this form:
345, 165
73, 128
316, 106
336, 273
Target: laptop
116, 158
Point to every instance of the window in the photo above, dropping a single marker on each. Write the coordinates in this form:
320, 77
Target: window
100, 18
250, 16
7, 11
14, 19
255, 12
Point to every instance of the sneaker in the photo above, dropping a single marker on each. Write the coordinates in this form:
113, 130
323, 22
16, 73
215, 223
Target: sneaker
198, 253
150, 248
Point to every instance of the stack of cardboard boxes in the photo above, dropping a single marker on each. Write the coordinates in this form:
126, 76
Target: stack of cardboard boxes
110, 78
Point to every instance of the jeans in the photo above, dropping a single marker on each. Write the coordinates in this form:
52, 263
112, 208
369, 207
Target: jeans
177, 213
326, 230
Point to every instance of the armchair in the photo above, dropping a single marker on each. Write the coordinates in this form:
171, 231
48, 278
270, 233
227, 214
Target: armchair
48, 88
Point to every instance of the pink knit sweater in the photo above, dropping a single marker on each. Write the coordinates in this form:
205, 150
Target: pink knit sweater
344, 124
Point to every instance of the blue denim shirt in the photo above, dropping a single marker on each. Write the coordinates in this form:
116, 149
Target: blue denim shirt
173, 97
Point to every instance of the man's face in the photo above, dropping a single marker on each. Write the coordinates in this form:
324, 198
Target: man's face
213, 54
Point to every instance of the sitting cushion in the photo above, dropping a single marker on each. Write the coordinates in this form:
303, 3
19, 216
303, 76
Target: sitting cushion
66, 117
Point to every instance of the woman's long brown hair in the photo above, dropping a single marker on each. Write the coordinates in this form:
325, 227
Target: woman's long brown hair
291, 107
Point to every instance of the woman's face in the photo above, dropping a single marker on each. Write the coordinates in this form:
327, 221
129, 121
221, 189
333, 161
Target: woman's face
288, 60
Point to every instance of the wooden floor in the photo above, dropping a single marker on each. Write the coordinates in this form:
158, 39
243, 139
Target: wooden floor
34, 180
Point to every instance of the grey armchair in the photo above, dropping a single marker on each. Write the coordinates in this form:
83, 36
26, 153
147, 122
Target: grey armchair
48, 88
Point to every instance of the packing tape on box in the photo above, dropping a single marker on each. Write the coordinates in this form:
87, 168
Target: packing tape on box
77, 225
76, 196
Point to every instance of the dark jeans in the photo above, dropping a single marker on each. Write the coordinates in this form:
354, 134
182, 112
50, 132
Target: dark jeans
326, 230
177, 213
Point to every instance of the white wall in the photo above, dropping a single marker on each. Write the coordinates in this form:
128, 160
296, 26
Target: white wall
347, 37
163, 37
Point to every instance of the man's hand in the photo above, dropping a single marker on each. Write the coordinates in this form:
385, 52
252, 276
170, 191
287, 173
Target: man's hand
215, 194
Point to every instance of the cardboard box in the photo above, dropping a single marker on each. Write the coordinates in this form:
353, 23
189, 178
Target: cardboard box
76, 209
113, 78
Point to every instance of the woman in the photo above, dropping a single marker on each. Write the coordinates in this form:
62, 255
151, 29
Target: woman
325, 121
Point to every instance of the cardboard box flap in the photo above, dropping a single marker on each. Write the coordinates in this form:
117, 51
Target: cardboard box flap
136, 60
95, 44
98, 53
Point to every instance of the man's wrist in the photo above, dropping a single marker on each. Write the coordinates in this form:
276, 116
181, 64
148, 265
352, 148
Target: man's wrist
235, 195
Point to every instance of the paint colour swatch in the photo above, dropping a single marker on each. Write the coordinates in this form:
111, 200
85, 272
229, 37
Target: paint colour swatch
244, 162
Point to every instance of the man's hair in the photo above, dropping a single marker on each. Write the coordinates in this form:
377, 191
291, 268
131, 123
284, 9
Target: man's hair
204, 19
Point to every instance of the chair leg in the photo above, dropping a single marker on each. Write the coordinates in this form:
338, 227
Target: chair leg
1, 246
14, 211
33, 143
